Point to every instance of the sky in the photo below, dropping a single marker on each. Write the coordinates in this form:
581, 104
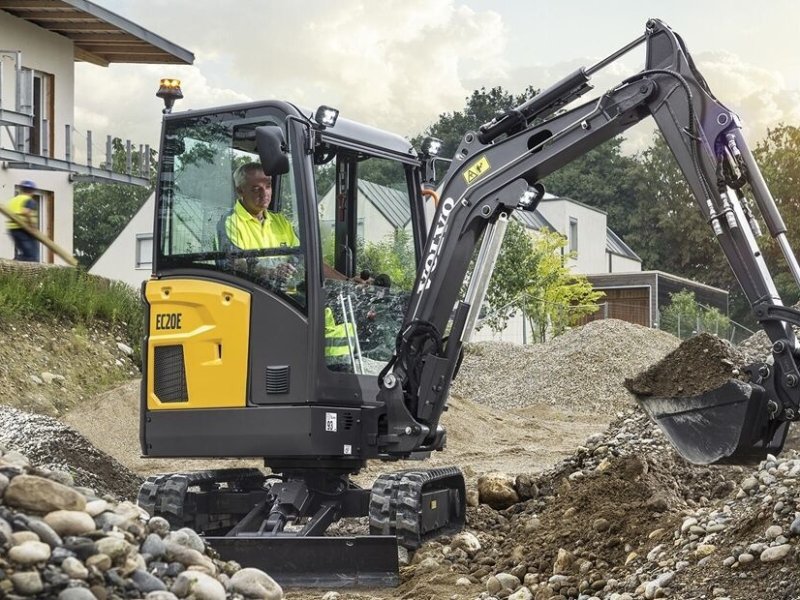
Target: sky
399, 64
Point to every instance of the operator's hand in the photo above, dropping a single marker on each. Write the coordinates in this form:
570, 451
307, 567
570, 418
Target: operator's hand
283, 271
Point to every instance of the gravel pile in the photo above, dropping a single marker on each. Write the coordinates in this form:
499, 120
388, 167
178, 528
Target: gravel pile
758, 347
582, 369
62, 541
625, 518
53, 445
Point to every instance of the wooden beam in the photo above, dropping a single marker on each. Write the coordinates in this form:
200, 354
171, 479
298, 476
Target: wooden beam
41, 237
32, 4
103, 49
81, 54
112, 37
80, 27
68, 14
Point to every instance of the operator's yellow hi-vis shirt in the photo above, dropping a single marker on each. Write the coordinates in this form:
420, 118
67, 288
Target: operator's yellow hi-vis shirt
246, 232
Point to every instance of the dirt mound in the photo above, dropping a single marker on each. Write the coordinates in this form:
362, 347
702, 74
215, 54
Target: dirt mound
51, 444
583, 369
699, 364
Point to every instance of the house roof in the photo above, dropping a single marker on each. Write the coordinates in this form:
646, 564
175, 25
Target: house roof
100, 36
391, 203
532, 220
615, 245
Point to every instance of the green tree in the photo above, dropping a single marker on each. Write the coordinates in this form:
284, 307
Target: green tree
531, 276
778, 156
393, 256
556, 297
684, 317
102, 210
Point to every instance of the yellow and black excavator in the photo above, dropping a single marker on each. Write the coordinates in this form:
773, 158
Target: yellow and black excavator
316, 369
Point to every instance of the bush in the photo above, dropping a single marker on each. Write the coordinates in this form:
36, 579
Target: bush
71, 295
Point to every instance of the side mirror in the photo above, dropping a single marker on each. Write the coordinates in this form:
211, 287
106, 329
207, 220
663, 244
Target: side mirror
271, 145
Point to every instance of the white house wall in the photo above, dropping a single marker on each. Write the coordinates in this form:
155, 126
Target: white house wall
53, 54
622, 264
592, 233
118, 262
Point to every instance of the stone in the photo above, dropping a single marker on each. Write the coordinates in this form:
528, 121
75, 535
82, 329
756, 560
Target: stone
29, 553
522, 593
794, 528
466, 541
704, 550
188, 538
97, 507
50, 378
74, 568
161, 596
665, 579
508, 581
153, 546
745, 558
473, 498
773, 532
187, 556
27, 583
199, 585
493, 585
497, 490
254, 583
563, 562
114, 548
146, 582
70, 522
749, 484
158, 525
5, 531
76, 593
460, 582
338, 596
20, 537
776, 553
3, 484
30, 492
600, 525
45, 532
101, 562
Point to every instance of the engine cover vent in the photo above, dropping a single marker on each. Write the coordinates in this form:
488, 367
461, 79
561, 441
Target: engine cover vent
347, 420
169, 374
278, 379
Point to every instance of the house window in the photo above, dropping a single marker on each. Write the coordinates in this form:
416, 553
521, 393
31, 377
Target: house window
144, 250
573, 235
37, 97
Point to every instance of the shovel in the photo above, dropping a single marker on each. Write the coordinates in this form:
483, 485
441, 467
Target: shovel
729, 424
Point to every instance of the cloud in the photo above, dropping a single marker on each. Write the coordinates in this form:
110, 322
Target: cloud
395, 65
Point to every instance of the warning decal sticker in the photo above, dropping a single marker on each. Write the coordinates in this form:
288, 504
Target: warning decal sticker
476, 169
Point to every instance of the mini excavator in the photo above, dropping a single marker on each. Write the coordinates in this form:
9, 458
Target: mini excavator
321, 370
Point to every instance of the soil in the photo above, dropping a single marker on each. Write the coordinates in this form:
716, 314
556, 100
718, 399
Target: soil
699, 364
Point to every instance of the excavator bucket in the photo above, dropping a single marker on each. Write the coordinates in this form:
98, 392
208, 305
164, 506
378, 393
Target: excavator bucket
729, 424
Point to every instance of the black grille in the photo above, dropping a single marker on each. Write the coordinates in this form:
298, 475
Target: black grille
278, 380
347, 420
169, 377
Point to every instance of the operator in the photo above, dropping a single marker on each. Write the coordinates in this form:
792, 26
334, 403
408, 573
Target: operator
24, 206
250, 226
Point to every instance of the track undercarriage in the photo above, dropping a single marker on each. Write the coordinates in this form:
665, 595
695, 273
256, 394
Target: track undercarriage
278, 522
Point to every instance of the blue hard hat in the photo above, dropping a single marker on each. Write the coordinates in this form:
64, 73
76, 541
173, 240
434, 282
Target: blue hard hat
27, 183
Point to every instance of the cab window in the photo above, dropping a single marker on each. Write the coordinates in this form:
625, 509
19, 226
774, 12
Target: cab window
365, 209
219, 211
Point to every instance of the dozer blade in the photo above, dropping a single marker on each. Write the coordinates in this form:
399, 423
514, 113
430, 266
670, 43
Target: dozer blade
316, 562
728, 424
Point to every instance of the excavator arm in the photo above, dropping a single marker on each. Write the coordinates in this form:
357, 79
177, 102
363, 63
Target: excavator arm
497, 170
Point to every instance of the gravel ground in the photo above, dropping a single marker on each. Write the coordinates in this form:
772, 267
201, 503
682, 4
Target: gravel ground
581, 370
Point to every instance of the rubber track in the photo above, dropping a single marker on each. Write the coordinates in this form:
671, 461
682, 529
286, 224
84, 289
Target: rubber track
395, 506
166, 495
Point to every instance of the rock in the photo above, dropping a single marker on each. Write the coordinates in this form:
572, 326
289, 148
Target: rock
187, 556
70, 522
27, 583
563, 562
473, 498
254, 583
522, 593
497, 490
49, 378
773, 532
76, 593
146, 582
158, 525
749, 484
187, 538
30, 492
493, 585
460, 582
508, 581
29, 553
45, 532
125, 349
97, 507
704, 550
5, 531
161, 596
794, 529
338, 596
745, 558
466, 541
600, 525
74, 568
101, 562
114, 548
153, 546
776, 553
198, 585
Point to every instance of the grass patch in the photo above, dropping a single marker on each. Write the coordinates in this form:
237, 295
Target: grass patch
72, 295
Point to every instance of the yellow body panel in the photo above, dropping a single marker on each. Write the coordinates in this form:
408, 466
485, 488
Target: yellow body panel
211, 321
